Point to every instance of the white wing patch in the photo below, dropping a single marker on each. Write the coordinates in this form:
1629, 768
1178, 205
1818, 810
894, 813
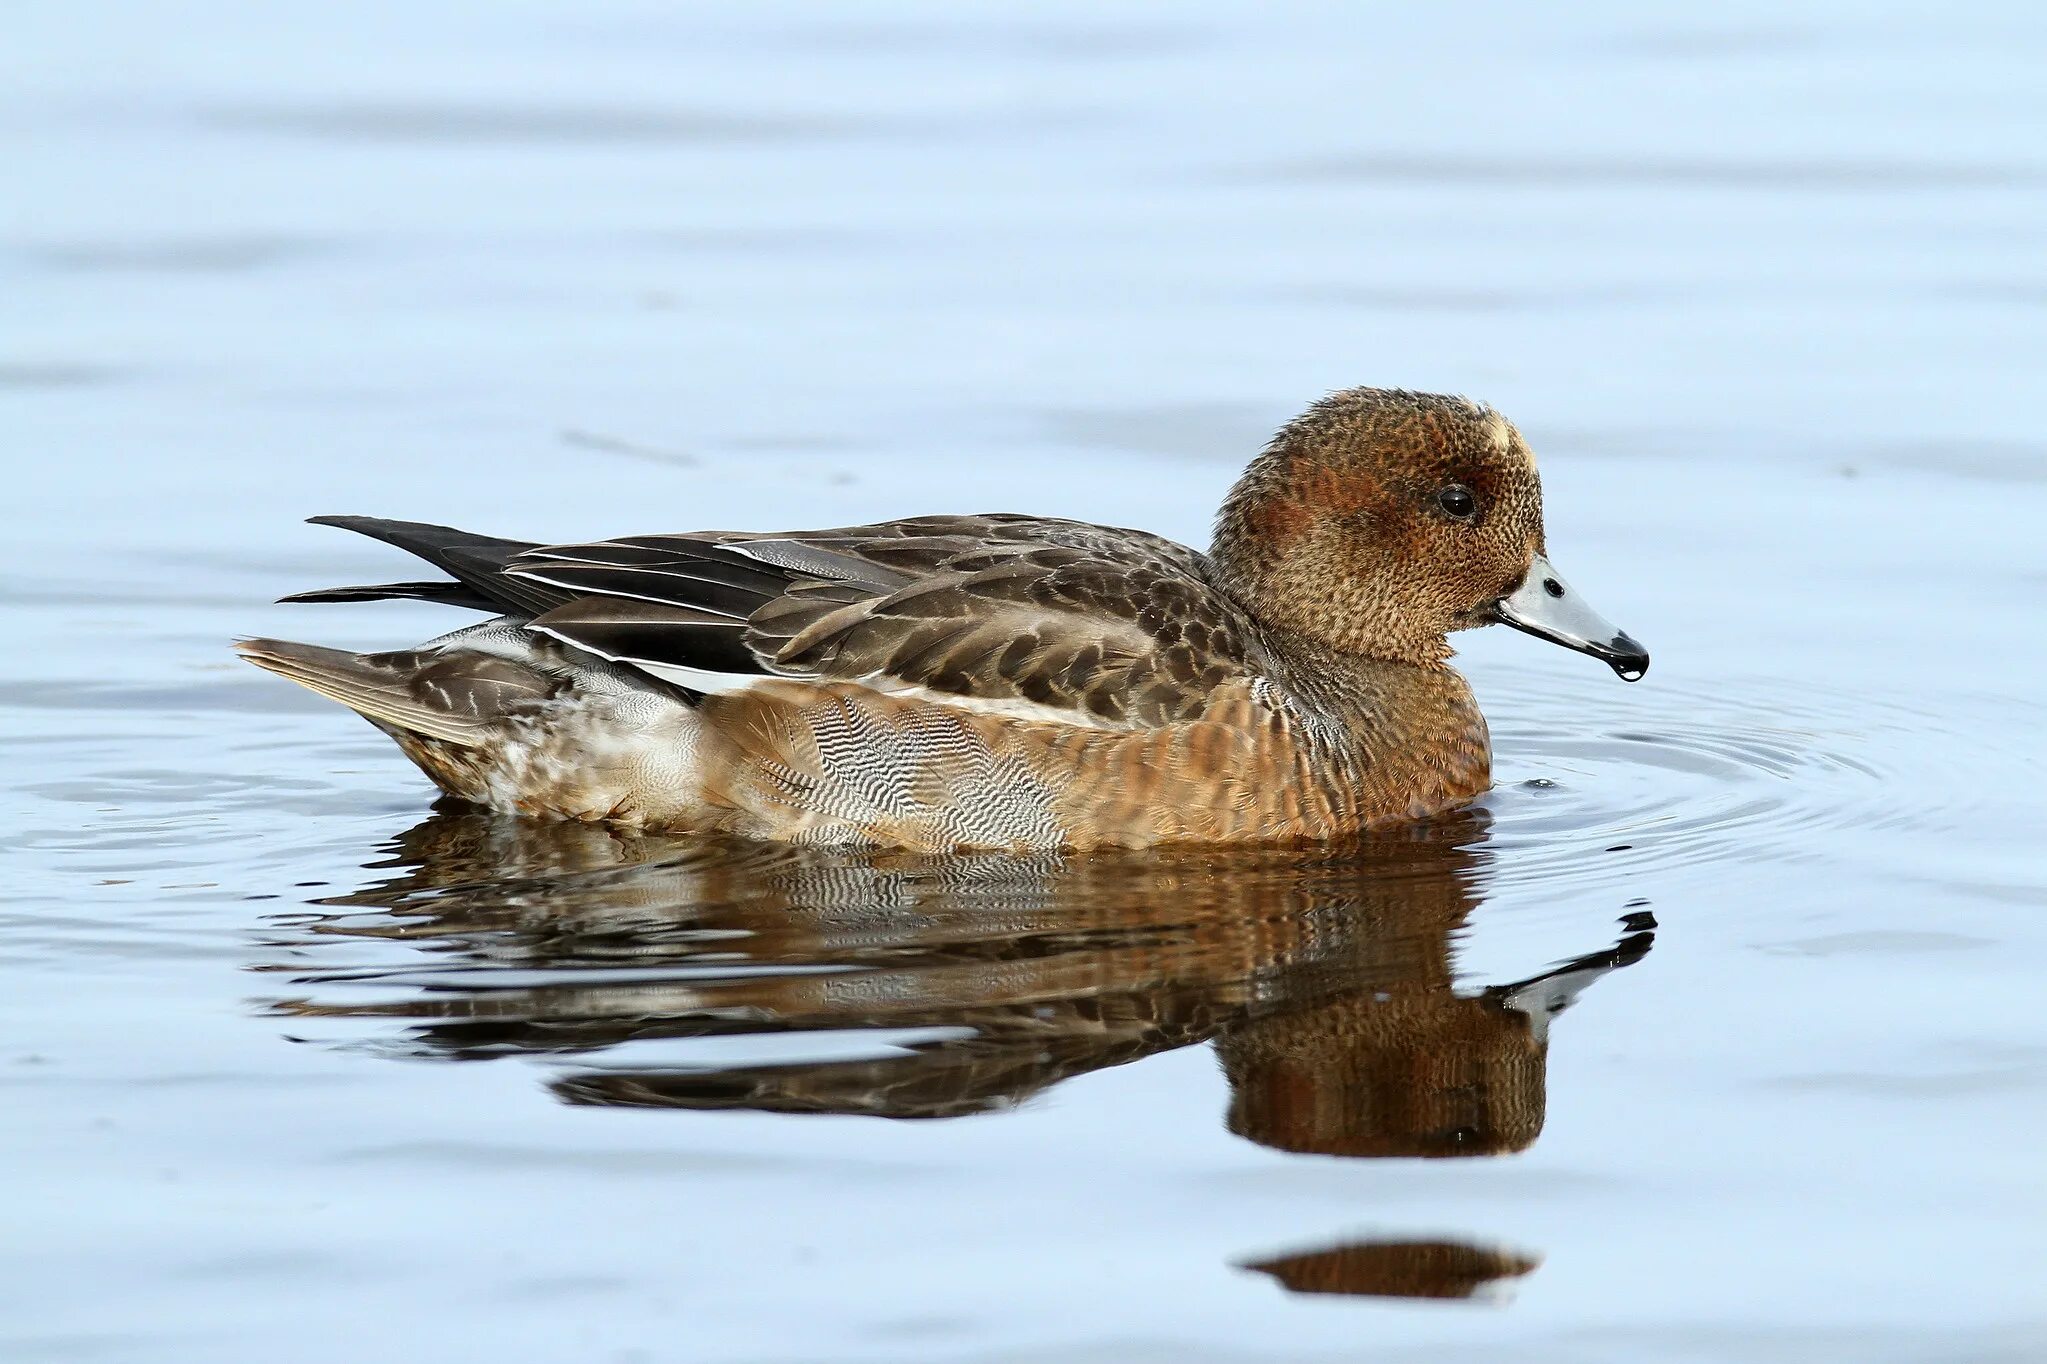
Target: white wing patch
540, 576
1010, 707
696, 679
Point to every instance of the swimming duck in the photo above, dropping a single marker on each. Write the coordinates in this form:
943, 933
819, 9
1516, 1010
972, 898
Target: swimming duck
997, 681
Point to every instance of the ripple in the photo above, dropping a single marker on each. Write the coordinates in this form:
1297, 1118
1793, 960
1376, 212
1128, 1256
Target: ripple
451, 123
1751, 772
1795, 174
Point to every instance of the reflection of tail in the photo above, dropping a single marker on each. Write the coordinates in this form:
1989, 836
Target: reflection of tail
992, 1070
895, 1087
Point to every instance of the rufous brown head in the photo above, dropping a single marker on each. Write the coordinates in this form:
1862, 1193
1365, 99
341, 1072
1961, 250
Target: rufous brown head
1378, 521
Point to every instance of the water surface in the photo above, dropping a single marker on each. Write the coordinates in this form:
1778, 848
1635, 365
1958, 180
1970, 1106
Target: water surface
1712, 1032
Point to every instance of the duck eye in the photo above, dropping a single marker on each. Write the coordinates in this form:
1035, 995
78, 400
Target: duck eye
1458, 502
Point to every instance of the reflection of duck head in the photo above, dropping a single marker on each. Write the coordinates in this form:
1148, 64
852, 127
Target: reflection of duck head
1324, 974
1404, 1065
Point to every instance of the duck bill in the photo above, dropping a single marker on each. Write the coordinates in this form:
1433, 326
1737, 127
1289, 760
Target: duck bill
1549, 608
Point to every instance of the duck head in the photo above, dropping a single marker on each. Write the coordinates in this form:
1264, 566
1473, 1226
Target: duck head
1378, 521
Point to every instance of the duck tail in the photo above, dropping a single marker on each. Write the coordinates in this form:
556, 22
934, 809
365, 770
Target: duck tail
456, 698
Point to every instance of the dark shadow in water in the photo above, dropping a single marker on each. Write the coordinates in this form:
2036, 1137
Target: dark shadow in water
1324, 979
1397, 1269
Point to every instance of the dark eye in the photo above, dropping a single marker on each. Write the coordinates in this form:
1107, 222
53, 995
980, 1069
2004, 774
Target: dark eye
1458, 502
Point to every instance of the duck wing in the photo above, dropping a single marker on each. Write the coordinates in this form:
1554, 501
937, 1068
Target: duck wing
1099, 625
473, 561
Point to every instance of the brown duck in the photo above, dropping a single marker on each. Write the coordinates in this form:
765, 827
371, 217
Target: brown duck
998, 681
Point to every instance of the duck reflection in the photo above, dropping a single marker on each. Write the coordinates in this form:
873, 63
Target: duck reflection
970, 983
922, 987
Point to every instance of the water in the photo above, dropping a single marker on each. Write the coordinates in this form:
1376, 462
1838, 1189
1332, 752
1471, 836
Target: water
297, 1065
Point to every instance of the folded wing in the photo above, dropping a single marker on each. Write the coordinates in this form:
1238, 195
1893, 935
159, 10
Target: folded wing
1110, 626
1099, 626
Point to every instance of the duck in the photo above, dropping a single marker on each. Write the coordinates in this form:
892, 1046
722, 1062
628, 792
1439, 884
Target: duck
997, 681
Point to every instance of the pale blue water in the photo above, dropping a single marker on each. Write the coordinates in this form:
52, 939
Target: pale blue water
1767, 289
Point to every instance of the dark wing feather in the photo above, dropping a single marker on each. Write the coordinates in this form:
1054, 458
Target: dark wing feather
1119, 626
704, 591
486, 573
441, 592
674, 642
474, 561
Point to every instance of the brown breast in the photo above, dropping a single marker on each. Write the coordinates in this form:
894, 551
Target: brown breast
843, 763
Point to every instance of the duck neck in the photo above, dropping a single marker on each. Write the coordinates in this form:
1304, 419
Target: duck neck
1407, 726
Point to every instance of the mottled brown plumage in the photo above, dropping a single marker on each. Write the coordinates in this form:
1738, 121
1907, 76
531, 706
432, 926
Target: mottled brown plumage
998, 681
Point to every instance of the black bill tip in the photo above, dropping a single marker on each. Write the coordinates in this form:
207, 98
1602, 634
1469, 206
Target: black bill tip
1624, 656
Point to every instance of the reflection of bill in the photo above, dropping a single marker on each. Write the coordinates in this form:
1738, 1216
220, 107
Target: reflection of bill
1409, 1068
1323, 976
